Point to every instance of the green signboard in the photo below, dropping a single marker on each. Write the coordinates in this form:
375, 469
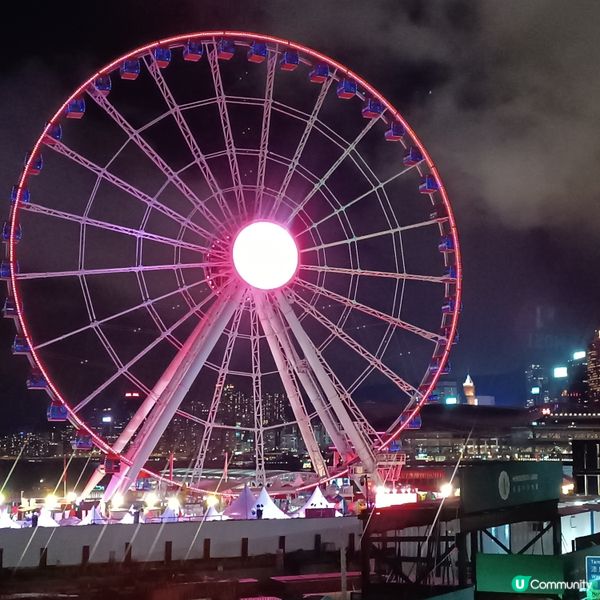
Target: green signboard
520, 573
502, 484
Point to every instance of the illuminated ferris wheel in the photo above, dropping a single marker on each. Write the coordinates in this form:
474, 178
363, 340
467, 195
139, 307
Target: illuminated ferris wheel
232, 209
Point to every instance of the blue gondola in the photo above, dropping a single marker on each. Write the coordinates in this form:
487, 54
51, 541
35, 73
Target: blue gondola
439, 213
192, 51
53, 134
450, 273
6, 232
319, 74
257, 52
372, 109
103, 84
25, 196
37, 164
346, 89
289, 61
36, 381
446, 245
225, 49
444, 341
415, 423
82, 441
112, 464
75, 108
395, 133
9, 310
395, 446
130, 69
412, 157
429, 185
57, 411
448, 306
20, 346
4, 270
433, 398
162, 57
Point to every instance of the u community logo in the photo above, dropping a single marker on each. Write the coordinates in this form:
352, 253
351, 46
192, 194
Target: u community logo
520, 583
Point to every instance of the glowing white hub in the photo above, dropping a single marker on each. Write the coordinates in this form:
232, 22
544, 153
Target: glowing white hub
265, 255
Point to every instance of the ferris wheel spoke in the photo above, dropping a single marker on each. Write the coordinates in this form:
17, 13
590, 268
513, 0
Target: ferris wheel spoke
103, 174
232, 337
259, 442
227, 132
332, 388
345, 154
301, 144
354, 345
190, 139
374, 189
308, 381
116, 270
143, 145
136, 233
377, 274
127, 366
146, 303
175, 383
355, 305
290, 384
370, 236
264, 132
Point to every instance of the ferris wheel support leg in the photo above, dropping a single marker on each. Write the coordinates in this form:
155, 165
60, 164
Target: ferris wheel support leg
306, 379
291, 389
361, 446
189, 362
138, 418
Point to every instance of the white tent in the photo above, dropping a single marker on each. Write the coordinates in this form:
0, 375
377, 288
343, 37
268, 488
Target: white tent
93, 517
316, 500
6, 522
241, 507
269, 509
45, 519
212, 514
127, 518
169, 516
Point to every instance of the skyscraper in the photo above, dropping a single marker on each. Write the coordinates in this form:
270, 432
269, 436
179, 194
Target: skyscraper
593, 369
469, 391
536, 379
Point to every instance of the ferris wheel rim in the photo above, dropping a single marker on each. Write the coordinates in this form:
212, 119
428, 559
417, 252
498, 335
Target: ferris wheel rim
246, 36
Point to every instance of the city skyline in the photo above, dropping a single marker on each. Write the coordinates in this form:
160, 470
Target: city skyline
535, 318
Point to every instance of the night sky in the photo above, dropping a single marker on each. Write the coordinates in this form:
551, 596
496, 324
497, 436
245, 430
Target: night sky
505, 95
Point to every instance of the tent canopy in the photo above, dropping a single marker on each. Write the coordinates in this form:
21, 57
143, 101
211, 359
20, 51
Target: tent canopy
241, 507
316, 500
269, 509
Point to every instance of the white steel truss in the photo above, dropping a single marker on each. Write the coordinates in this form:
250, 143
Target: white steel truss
227, 132
361, 445
189, 138
264, 132
169, 173
290, 384
198, 468
259, 440
173, 385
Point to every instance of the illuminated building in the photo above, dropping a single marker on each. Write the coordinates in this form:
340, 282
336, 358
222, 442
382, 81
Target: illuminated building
469, 391
536, 379
593, 369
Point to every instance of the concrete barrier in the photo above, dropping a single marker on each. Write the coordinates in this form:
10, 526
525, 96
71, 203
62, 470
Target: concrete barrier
40, 546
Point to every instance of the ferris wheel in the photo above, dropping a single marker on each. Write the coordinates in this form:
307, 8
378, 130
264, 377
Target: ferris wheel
227, 212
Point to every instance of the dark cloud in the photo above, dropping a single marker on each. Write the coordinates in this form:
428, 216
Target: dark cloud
503, 93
